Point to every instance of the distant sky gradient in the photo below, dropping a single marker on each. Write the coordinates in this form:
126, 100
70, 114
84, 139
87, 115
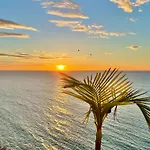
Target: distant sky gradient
82, 35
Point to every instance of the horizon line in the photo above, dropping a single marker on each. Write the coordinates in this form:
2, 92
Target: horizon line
71, 70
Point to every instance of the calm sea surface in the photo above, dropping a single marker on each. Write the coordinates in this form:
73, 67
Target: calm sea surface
35, 115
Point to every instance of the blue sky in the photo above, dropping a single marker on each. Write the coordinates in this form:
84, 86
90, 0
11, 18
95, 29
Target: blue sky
45, 33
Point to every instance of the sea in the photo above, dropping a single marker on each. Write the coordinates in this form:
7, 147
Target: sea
36, 115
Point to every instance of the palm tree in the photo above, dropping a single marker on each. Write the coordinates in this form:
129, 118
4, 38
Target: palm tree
103, 92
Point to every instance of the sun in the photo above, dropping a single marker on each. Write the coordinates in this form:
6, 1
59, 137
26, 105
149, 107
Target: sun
60, 67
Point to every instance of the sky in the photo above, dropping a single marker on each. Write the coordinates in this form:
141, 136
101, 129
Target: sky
79, 34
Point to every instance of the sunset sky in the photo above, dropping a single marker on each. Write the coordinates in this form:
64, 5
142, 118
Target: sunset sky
80, 34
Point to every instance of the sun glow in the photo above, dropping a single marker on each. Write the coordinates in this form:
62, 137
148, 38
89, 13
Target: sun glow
60, 67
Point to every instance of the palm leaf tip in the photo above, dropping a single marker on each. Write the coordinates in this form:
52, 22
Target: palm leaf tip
87, 115
146, 112
68, 81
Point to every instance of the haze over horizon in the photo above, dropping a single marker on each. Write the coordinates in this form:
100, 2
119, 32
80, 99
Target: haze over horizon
91, 35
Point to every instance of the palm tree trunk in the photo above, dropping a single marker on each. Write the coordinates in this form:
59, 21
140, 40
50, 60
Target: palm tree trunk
98, 141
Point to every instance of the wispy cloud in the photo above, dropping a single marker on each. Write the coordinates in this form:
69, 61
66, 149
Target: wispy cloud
140, 2
132, 33
140, 10
94, 37
13, 55
80, 28
134, 47
64, 23
96, 31
117, 33
126, 5
98, 37
67, 14
104, 37
62, 4
47, 3
132, 19
105, 33
64, 8
33, 56
6, 24
14, 35
75, 26
96, 26
106, 53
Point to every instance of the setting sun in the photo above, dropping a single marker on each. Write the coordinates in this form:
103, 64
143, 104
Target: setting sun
60, 67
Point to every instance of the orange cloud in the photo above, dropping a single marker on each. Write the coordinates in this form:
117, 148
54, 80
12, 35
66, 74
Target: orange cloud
63, 4
67, 14
32, 56
124, 4
14, 35
6, 24
134, 47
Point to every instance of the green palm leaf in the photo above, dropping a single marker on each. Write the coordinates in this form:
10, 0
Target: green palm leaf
105, 91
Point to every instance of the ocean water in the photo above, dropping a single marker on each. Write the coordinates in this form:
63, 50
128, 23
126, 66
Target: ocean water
35, 115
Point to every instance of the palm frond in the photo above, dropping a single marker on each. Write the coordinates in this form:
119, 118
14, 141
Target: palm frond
104, 91
146, 112
80, 96
87, 115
